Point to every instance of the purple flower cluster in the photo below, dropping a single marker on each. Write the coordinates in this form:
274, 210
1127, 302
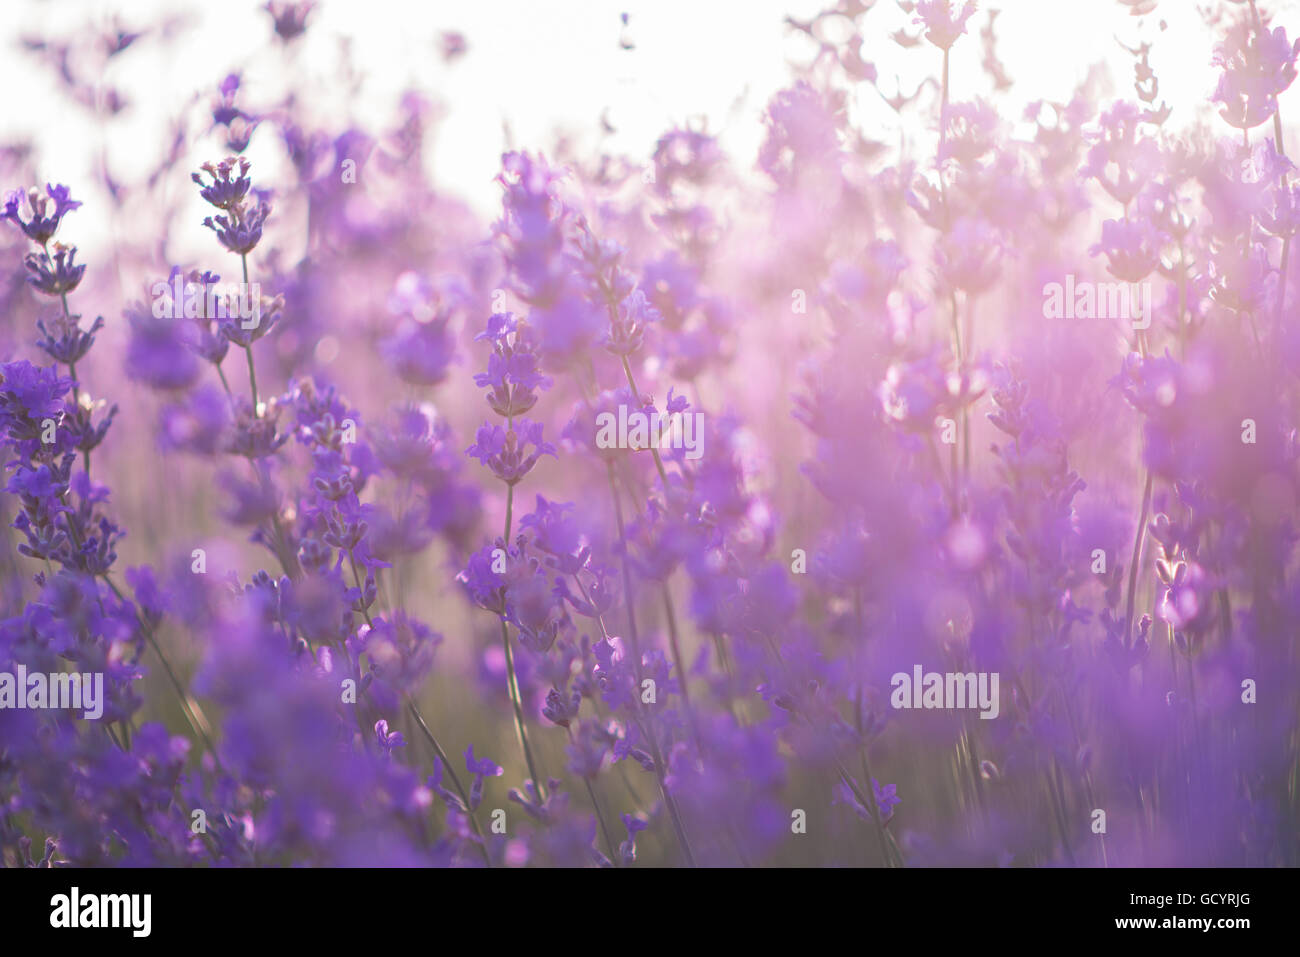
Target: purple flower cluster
798, 529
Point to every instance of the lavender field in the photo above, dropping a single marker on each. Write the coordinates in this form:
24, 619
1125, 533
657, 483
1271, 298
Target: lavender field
919, 488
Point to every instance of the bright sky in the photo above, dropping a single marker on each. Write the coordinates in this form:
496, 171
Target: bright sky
542, 65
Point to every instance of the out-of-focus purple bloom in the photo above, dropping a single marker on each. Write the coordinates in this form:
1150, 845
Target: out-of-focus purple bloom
454, 45
1257, 65
944, 23
531, 230
561, 710
533, 607
1132, 248
481, 769
388, 743
160, 352
289, 17
197, 422
803, 132
401, 651
634, 824
627, 327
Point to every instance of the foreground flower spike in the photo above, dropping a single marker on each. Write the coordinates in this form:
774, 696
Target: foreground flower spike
513, 375
240, 228
64, 341
45, 211
229, 182
944, 20
507, 451
54, 274
53, 271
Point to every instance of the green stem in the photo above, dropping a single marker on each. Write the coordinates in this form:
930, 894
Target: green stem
636, 397
451, 773
225, 384
673, 813
510, 510
356, 576
595, 804
248, 349
193, 714
674, 643
76, 386
1138, 538
512, 676
252, 379
516, 703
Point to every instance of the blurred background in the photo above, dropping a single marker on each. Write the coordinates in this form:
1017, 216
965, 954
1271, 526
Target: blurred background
522, 72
